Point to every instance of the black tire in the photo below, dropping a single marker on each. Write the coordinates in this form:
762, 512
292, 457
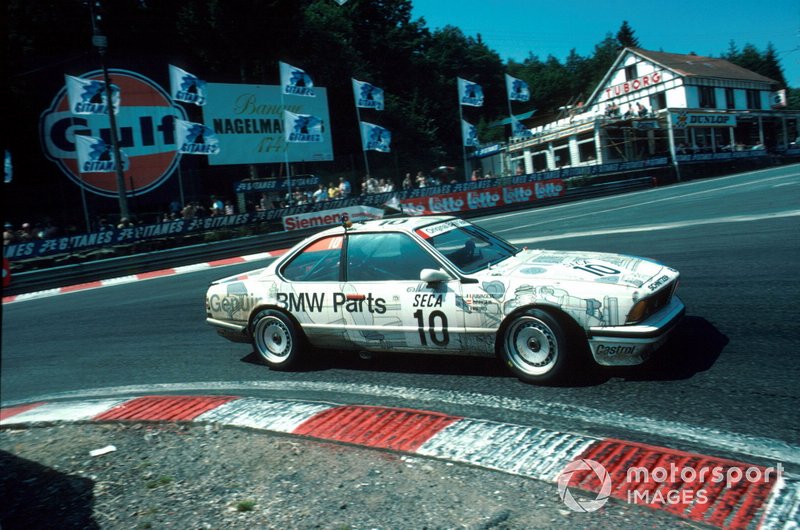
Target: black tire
535, 347
276, 339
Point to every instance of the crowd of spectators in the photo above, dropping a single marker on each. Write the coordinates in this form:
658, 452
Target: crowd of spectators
216, 206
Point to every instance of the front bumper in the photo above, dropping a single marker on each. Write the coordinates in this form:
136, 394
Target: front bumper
631, 345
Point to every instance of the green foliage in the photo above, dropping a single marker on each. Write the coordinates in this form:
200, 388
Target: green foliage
241, 41
765, 63
626, 37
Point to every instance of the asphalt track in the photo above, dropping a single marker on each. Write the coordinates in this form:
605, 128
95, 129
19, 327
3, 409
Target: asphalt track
725, 385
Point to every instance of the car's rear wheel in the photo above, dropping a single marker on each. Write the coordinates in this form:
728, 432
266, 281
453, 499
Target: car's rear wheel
535, 347
276, 339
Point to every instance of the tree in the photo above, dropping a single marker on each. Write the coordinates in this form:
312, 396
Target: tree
626, 37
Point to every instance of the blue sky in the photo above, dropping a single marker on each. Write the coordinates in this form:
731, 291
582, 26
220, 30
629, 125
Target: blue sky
513, 28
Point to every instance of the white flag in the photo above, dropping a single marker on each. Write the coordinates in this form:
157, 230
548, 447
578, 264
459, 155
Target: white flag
367, 96
195, 138
88, 96
518, 130
186, 87
470, 134
375, 138
470, 93
96, 156
295, 82
302, 127
517, 89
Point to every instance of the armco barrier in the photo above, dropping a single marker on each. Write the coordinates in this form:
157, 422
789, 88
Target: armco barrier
25, 282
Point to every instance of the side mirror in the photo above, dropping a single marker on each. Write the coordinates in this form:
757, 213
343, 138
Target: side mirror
434, 275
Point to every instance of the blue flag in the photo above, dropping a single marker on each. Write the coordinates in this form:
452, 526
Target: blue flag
96, 156
195, 138
517, 89
295, 82
469, 93
367, 96
186, 87
375, 138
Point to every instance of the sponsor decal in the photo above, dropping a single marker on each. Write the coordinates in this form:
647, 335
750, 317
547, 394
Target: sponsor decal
689, 119
232, 304
611, 350
146, 133
658, 283
428, 300
634, 85
314, 302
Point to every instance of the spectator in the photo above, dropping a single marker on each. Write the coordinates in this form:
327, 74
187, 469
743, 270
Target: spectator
372, 185
333, 191
8, 234
386, 185
229, 209
407, 182
641, 110
321, 194
476, 175
217, 208
421, 181
344, 188
125, 223
104, 225
188, 211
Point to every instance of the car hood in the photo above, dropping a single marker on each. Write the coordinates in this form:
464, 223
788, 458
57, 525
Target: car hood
597, 267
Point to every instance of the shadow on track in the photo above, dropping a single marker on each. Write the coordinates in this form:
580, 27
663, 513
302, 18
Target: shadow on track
694, 347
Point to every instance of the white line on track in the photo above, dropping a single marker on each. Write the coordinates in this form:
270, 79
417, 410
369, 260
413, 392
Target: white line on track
744, 444
681, 196
664, 226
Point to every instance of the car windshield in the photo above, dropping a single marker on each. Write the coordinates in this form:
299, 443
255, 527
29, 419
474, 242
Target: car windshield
467, 246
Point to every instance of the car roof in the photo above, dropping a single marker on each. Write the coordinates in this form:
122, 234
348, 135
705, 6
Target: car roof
397, 224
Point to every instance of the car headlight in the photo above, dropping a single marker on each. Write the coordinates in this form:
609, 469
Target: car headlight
638, 312
652, 304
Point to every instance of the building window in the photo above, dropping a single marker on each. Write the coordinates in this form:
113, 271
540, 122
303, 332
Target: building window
630, 73
730, 100
753, 99
658, 101
707, 97
586, 148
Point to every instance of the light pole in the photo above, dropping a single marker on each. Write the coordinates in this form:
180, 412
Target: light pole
101, 43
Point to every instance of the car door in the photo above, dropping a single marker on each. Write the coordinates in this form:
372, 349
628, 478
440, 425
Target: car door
387, 306
311, 289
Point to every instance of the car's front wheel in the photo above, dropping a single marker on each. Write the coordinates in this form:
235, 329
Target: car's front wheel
276, 339
535, 347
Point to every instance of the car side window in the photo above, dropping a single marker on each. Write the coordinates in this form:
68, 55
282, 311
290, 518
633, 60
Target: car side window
386, 257
318, 262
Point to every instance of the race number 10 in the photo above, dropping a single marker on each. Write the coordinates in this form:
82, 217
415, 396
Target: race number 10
439, 337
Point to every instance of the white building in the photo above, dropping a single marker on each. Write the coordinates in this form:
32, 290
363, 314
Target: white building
663, 109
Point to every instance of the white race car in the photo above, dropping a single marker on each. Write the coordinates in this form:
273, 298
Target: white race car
443, 285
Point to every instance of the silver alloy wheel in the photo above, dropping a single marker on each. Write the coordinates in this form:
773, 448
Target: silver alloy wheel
531, 346
273, 339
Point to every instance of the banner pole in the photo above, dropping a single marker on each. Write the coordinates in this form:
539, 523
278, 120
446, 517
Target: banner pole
361, 134
461, 126
286, 150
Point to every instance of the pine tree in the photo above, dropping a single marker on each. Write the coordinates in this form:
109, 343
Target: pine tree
626, 36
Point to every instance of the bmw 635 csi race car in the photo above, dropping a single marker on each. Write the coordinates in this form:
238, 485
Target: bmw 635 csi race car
443, 285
